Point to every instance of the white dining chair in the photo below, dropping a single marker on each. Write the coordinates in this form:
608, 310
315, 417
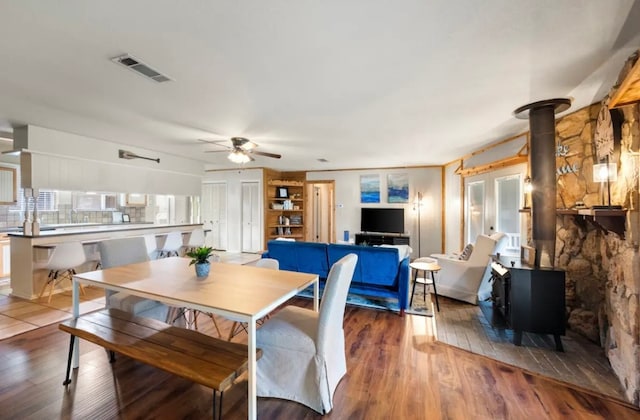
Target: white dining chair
196, 239
237, 327
303, 351
172, 245
152, 246
62, 264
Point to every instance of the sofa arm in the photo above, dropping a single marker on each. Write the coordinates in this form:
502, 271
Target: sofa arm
403, 284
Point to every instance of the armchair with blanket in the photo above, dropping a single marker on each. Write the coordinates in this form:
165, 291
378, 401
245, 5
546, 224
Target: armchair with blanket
461, 279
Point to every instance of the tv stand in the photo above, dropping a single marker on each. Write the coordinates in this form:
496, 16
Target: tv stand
376, 238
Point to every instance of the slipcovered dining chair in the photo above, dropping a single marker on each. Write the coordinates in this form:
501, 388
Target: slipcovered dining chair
123, 251
270, 263
303, 351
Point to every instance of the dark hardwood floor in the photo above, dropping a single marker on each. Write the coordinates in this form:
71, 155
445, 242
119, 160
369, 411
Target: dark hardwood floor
396, 371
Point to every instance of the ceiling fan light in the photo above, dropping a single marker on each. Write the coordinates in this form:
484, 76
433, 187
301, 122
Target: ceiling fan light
238, 157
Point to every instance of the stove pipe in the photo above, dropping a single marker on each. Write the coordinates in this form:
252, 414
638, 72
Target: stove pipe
542, 147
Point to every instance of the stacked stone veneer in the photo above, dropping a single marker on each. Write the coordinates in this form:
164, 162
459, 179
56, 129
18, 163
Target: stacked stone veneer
602, 268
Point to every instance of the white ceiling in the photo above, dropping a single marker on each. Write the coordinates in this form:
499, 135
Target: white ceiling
361, 83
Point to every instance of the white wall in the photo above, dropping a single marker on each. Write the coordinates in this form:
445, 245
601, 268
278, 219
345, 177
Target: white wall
66, 161
234, 179
425, 180
452, 210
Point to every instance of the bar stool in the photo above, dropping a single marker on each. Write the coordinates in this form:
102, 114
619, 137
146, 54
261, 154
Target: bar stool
172, 245
425, 264
196, 240
61, 265
152, 246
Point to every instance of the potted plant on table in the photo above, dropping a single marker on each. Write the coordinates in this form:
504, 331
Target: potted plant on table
200, 257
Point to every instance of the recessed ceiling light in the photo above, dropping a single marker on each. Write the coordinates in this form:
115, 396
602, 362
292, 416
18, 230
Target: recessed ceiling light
323, 160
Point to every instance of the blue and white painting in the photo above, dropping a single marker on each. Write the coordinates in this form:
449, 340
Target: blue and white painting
369, 188
398, 188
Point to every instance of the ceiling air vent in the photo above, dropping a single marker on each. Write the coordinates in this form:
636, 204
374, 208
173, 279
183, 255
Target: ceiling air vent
139, 67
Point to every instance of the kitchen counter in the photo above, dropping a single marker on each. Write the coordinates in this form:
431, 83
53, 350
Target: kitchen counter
29, 252
87, 228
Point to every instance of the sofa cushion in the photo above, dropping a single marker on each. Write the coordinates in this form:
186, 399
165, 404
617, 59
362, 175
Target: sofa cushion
376, 265
304, 257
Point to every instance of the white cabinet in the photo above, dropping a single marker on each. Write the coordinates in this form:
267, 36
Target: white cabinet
8, 187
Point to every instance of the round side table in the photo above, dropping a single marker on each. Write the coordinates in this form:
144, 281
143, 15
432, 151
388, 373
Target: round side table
425, 267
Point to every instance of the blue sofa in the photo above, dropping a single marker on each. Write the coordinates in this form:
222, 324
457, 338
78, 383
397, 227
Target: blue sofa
379, 271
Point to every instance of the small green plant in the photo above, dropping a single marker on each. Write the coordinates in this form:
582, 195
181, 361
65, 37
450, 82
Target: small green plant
200, 255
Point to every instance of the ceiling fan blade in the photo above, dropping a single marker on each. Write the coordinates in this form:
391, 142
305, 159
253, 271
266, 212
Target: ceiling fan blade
216, 142
226, 150
271, 155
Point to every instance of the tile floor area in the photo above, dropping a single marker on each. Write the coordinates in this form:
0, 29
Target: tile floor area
582, 363
20, 315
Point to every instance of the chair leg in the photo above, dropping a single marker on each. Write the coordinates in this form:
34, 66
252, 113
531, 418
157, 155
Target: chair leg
46, 283
215, 324
52, 285
233, 330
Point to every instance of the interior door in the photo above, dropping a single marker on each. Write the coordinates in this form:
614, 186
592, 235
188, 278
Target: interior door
251, 212
320, 216
214, 214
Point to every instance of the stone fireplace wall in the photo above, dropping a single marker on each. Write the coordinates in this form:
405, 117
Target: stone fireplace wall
602, 267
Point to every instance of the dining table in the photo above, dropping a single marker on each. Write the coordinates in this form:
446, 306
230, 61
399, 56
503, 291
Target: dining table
240, 293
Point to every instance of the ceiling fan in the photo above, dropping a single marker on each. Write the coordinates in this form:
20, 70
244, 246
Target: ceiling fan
240, 150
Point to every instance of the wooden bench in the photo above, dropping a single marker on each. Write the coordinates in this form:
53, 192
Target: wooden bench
200, 358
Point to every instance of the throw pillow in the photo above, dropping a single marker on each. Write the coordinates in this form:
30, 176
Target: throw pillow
466, 252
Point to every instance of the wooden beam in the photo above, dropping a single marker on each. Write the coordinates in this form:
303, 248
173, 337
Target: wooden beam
629, 91
513, 160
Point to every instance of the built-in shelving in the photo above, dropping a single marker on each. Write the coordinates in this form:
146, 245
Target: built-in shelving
284, 222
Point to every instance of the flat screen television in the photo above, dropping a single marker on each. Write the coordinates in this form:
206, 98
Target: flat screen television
382, 220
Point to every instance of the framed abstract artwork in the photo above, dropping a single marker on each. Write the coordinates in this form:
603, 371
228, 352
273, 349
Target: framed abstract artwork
369, 188
398, 188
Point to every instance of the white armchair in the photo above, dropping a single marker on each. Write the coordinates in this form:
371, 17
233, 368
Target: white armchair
461, 279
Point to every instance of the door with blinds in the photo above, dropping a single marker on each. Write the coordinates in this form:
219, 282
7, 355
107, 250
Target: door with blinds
251, 213
214, 214
493, 200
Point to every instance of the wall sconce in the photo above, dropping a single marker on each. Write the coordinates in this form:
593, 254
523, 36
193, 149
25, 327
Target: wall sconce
606, 172
528, 187
418, 202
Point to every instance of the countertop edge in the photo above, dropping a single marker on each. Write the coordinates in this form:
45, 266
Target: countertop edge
111, 228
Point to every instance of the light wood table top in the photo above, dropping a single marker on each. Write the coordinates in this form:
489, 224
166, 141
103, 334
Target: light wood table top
240, 292
425, 266
236, 291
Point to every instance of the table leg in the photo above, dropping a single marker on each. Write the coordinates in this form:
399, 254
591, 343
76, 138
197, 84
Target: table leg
75, 299
252, 391
413, 289
435, 291
316, 295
